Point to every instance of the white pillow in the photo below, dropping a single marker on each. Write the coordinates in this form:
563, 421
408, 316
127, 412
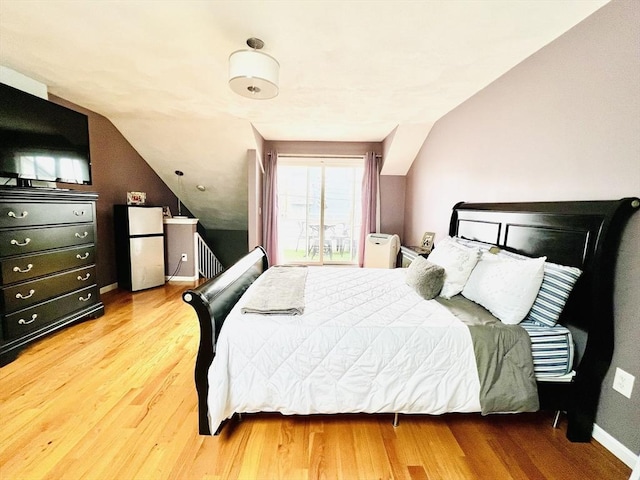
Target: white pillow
458, 262
505, 286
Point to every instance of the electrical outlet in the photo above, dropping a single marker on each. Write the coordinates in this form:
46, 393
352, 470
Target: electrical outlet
623, 382
184, 257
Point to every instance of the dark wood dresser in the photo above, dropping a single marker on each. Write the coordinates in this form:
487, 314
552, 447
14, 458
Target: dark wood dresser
47, 264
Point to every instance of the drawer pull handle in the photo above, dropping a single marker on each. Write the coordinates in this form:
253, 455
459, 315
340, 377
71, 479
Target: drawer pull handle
24, 297
85, 278
22, 321
82, 235
14, 215
18, 269
78, 213
82, 257
85, 299
23, 244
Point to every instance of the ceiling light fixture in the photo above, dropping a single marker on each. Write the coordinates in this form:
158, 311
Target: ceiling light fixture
254, 74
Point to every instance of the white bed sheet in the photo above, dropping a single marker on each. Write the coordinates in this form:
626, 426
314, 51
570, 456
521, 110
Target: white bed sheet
365, 343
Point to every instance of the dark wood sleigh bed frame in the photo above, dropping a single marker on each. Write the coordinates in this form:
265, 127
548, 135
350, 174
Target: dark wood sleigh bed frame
585, 234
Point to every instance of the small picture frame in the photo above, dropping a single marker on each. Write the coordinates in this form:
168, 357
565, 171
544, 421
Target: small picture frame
136, 198
427, 241
166, 212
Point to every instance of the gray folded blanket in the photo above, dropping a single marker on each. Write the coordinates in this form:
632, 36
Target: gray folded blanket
280, 291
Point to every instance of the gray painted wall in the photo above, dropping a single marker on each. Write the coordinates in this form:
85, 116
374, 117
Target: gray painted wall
179, 239
228, 245
562, 125
116, 169
392, 190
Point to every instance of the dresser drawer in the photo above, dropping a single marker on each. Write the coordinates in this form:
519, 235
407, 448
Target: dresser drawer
17, 242
16, 214
19, 323
18, 269
24, 295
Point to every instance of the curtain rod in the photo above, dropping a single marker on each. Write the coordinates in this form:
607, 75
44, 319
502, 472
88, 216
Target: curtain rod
322, 156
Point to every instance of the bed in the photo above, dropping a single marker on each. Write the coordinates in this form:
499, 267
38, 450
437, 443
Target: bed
382, 339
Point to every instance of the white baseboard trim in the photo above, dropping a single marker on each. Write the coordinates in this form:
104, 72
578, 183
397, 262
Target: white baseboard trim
614, 446
108, 288
181, 279
635, 475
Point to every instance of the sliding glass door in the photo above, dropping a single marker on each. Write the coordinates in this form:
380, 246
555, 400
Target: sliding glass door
319, 209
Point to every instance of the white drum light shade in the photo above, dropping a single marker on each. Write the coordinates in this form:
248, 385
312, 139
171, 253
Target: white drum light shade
253, 74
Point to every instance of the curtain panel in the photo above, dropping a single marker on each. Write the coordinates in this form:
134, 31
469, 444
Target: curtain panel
370, 201
270, 207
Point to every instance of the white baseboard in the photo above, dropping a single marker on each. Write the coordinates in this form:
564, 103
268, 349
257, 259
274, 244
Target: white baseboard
181, 279
614, 446
108, 288
113, 286
635, 475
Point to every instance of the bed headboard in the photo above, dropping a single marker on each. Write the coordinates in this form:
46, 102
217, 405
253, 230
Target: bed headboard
583, 234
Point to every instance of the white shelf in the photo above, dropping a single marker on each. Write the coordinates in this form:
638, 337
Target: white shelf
180, 221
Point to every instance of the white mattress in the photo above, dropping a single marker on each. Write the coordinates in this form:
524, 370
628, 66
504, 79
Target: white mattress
362, 345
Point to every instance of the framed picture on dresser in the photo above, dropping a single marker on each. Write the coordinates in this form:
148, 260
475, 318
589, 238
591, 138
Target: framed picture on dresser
427, 241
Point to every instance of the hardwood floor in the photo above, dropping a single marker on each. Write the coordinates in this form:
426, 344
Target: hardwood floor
113, 398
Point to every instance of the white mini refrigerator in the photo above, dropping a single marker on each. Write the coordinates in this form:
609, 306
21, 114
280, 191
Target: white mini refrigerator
139, 246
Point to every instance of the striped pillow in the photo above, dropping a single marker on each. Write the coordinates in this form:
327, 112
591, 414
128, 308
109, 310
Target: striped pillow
557, 283
482, 246
552, 349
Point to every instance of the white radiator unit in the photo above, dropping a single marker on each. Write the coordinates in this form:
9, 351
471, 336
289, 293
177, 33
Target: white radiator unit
381, 250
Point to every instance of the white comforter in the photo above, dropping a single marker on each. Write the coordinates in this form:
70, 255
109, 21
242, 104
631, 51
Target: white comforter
365, 343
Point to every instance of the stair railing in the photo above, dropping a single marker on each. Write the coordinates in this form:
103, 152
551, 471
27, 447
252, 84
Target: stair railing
208, 264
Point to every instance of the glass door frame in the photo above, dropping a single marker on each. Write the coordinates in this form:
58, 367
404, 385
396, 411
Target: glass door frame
324, 162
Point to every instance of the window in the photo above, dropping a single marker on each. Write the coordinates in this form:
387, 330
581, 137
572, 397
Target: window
319, 203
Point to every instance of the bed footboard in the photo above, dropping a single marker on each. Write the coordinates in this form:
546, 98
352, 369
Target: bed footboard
212, 301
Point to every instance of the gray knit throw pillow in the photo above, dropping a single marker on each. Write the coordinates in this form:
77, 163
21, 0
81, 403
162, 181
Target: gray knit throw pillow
425, 277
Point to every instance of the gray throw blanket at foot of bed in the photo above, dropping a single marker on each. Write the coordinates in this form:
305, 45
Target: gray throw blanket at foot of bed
503, 359
279, 291
505, 368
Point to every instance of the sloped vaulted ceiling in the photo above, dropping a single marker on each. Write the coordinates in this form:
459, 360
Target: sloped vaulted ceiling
350, 71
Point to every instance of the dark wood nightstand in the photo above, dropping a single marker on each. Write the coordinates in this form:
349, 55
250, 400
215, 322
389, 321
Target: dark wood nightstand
408, 254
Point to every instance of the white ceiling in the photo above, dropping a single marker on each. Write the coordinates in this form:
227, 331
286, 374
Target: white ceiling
350, 71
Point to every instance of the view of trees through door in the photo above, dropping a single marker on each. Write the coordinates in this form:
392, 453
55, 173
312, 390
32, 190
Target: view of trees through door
319, 209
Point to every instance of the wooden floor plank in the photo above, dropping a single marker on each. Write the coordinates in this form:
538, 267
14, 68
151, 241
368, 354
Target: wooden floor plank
114, 398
